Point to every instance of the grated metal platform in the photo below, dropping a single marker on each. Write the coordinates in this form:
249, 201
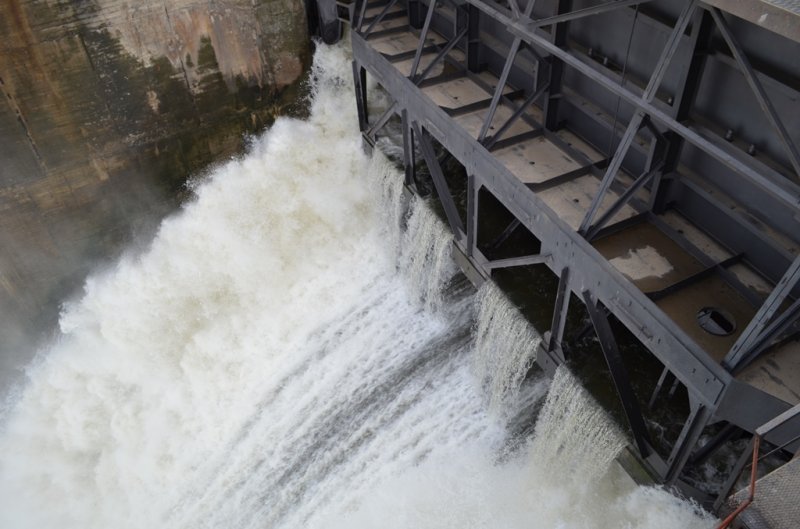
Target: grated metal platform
777, 500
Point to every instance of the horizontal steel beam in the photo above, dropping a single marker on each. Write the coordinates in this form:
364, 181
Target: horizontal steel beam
783, 190
585, 12
589, 270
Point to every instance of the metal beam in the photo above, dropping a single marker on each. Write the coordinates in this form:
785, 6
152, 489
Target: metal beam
685, 95
687, 440
758, 90
473, 191
501, 83
639, 119
611, 171
619, 374
477, 105
444, 51
560, 310
450, 210
701, 374
360, 85
518, 138
585, 12
409, 157
555, 70
637, 184
773, 332
763, 317
694, 278
517, 261
377, 20
422, 38
491, 140
783, 190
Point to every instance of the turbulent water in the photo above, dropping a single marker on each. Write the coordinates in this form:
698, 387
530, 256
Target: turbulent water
293, 350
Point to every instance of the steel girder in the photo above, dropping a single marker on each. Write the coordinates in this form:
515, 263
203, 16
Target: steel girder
713, 392
589, 270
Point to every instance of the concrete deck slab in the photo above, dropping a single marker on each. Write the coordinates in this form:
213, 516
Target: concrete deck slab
682, 307
402, 42
571, 200
777, 373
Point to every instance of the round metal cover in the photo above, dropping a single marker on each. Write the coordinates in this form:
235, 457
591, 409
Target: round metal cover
716, 321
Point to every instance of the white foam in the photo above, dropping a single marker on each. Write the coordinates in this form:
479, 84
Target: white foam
263, 364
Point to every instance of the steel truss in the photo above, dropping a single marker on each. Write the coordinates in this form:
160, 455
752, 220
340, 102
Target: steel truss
714, 393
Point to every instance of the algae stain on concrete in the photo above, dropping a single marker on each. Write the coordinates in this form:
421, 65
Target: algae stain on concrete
106, 108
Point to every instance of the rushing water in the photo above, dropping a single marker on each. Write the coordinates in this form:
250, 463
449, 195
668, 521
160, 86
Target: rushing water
294, 350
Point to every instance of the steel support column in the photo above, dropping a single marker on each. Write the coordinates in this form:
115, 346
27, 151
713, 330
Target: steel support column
450, 210
639, 118
683, 101
556, 69
687, 440
782, 189
360, 84
751, 334
619, 374
585, 12
563, 295
422, 37
409, 155
501, 83
758, 90
473, 192
414, 8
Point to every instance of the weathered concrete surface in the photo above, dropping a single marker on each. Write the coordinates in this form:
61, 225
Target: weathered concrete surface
107, 106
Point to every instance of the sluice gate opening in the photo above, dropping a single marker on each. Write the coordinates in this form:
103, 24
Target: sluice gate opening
645, 153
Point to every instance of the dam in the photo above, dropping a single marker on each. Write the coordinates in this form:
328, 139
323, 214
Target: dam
327, 337
647, 154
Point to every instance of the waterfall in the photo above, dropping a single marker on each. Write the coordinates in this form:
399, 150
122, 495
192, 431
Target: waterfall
574, 437
267, 362
505, 347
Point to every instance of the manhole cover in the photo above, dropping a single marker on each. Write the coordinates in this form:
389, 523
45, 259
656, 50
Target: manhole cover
716, 321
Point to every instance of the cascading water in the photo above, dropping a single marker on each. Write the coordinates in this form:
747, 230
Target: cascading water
505, 348
267, 363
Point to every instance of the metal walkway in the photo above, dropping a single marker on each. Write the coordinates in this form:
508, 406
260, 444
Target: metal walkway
777, 503
645, 189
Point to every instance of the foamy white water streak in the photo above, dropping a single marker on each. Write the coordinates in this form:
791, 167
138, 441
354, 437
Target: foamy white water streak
265, 364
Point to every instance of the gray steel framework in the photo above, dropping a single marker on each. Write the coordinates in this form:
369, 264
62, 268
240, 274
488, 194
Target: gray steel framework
713, 391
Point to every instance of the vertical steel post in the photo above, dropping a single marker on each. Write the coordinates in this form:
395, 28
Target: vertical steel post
439, 182
360, 84
408, 151
687, 440
560, 314
619, 374
556, 69
414, 13
473, 39
683, 101
763, 317
473, 192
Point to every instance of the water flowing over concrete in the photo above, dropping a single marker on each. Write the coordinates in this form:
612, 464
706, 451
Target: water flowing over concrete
106, 108
266, 362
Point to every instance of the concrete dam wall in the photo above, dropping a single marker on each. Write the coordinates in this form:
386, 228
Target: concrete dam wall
107, 107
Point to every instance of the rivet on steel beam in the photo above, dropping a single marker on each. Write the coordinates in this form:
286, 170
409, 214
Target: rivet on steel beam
751, 150
729, 134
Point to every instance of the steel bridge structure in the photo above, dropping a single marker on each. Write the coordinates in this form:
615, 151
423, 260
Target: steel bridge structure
651, 148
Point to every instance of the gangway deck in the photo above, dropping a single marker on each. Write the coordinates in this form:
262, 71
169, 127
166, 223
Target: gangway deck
610, 149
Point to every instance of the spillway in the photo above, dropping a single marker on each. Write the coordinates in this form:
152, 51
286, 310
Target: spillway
295, 349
